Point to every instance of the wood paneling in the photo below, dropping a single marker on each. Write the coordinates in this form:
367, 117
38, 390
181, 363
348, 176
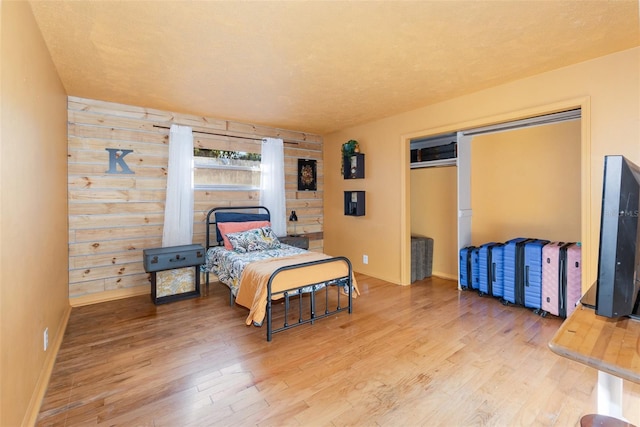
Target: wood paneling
113, 217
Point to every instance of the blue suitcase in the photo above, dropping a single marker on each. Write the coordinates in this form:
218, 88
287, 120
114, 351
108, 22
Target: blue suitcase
465, 267
513, 261
497, 261
533, 273
487, 267
475, 269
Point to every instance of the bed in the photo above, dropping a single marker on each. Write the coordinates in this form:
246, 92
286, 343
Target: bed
262, 273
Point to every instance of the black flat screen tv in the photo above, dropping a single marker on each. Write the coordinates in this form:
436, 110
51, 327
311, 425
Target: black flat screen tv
618, 282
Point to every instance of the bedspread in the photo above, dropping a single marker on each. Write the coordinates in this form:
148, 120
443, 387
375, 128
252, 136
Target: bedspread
228, 265
252, 291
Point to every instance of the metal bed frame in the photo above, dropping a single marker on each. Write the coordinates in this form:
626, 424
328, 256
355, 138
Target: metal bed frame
319, 301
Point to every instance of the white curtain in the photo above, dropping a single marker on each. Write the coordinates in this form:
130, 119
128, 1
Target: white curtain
178, 210
272, 183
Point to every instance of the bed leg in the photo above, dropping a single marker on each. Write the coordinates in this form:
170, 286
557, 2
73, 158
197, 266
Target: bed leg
204, 290
326, 298
269, 333
299, 307
350, 294
286, 309
313, 305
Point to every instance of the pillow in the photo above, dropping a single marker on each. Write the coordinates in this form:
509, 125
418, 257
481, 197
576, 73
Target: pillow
235, 227
237, 217
257, 239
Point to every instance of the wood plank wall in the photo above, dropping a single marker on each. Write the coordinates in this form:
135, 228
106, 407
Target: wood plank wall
113, 217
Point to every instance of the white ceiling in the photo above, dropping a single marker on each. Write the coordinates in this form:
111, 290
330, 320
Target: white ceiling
318, 66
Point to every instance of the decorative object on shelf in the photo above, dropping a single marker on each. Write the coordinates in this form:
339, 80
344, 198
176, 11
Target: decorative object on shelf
307, 175
348, 148
293, 218
355, 166
354, 202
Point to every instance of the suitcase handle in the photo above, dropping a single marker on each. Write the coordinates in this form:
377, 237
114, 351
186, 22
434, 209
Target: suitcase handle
493, 272
526, 275
562, 289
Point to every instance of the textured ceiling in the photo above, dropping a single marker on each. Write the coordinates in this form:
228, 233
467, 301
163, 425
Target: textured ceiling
318, 66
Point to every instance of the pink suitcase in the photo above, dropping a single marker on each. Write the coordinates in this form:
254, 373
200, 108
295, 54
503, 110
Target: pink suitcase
551, 276
561, 278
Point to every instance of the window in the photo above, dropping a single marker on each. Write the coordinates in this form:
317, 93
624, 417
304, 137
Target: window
226, 170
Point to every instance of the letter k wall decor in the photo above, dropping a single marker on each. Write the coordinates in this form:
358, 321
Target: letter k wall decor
116, 158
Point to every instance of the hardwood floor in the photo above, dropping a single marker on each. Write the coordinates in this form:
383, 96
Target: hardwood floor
425, 354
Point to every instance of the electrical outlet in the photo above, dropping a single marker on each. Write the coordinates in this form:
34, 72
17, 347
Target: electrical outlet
365, 259
46, 338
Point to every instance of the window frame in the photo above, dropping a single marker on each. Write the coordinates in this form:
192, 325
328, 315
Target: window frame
224, 187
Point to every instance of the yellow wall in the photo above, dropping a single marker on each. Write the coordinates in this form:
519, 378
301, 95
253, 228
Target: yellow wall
33, 215
608, 87
434, 213
526, 183
377, 234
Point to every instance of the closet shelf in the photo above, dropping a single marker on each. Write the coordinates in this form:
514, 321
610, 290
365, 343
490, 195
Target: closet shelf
434, 163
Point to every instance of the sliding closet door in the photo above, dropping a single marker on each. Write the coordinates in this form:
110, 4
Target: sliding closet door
464, 192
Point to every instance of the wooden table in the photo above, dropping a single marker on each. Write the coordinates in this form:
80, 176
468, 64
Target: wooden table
612, 346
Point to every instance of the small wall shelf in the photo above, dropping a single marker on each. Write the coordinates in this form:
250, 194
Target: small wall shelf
354, 166
354, 203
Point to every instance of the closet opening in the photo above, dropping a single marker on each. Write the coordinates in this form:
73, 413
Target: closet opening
457, 203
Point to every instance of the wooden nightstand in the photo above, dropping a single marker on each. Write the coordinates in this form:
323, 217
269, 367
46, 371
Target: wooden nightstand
301, 242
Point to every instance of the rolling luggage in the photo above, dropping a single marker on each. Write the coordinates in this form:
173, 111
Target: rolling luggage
475, 269
465, 267
489, 259
497, 259
513, 267
560, 293
554, 258
574, 277
532, 292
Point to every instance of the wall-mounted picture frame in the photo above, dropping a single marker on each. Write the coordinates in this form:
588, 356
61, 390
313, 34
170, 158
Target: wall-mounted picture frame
307, 175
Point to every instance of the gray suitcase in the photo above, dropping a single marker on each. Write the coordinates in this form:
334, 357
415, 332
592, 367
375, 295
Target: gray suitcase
174, 272
158, 259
